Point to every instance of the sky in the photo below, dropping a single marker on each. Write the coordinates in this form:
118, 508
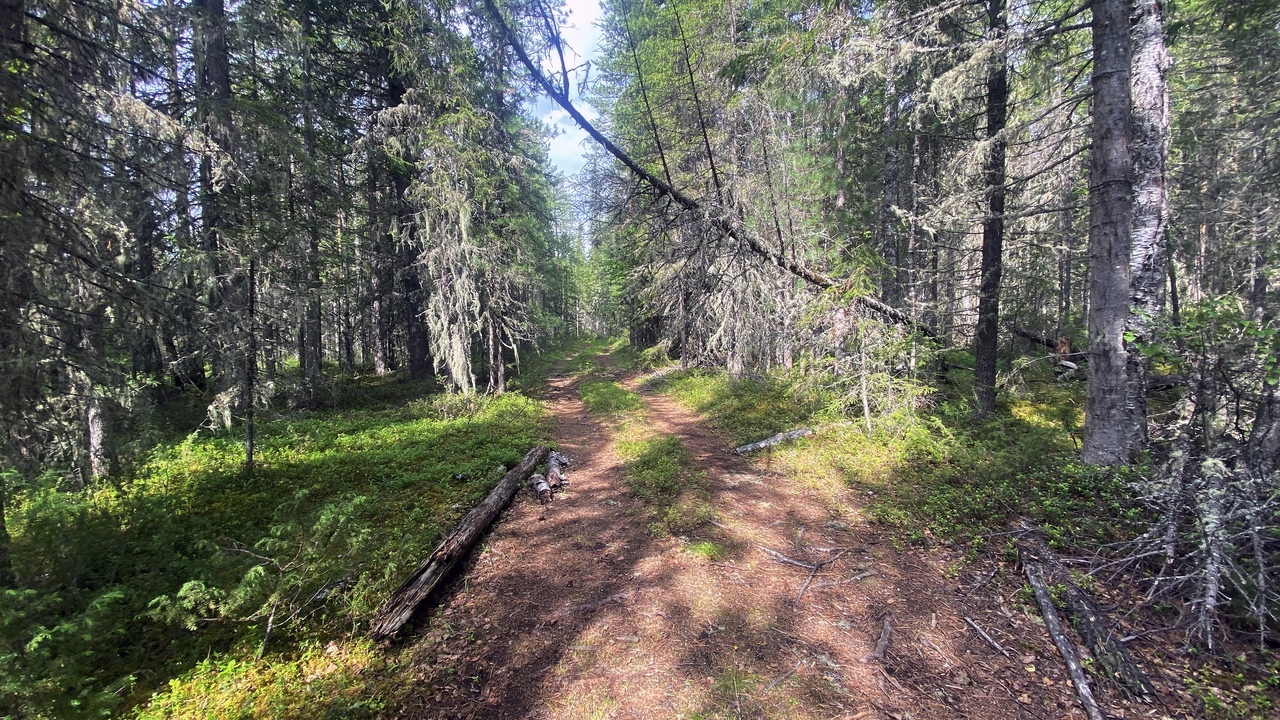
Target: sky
583, 38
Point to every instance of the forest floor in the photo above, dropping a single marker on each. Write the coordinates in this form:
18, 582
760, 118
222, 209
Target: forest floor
608, 603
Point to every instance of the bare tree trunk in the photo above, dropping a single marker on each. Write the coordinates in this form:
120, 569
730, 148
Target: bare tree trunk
988, 330
312, 328
1258, 270
15, 276
1110, 213
889, 242
379, 285
1147, 252
251, 367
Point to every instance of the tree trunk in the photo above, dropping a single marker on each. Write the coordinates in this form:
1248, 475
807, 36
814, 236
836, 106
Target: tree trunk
1147, 261
249, 388
889, 241
213, 91
410, 278
312, 328
379, 284
988, 330
1110, 213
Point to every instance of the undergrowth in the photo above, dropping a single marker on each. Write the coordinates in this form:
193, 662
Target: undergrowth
934, 474
243, 596
608, 398
745, 409
659, 471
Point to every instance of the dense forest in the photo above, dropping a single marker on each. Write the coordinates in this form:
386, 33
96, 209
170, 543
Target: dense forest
281, 280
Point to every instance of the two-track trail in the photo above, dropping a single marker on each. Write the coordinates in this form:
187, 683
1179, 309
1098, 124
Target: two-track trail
575, 610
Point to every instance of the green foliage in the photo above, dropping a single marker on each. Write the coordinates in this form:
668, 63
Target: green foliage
133, 581
706, 550
747, 409
608, 398
332, 681
935, 474
1240, 693
956, 481
660, 472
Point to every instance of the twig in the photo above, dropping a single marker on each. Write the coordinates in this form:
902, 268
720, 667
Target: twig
784, 676
784, 559
846, 581
808, 580
945, 658
1054, 626
883, 644
987, 637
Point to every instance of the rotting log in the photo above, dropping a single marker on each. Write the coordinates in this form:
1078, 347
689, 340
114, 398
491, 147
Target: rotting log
557, 465
541, 489
399, 608
775, 440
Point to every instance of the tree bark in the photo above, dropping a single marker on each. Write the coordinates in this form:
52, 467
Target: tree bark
1110, 214
1147, 253
988, 330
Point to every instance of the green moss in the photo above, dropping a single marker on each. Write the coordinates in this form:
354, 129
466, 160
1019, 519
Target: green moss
177, 570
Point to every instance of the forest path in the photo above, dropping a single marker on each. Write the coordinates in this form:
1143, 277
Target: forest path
574, 610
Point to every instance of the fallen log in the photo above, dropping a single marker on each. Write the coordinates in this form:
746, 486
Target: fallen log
1111, 654
775, 440
541, 489
1053, 624
557, 464
397, 610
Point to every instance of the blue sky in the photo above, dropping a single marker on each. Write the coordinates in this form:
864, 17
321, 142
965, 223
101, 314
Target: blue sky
582, 37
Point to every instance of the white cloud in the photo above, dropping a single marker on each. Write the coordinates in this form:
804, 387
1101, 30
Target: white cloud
582, 38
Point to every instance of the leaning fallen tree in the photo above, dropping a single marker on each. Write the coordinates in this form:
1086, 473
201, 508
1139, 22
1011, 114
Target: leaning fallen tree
719, 218
399, 608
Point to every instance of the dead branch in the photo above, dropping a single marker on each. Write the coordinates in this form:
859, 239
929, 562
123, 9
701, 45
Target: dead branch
846, 581
1054, 625
717, 218
1105, 644
397, 610
789, 561
983, 634
883, 645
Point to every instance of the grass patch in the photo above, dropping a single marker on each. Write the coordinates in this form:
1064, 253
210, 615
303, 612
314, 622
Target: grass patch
746, 410
609, 399
934, 475
328, 681
659, 471
178, 570
706, 550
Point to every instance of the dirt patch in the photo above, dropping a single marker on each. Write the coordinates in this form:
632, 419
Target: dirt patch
573, 610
